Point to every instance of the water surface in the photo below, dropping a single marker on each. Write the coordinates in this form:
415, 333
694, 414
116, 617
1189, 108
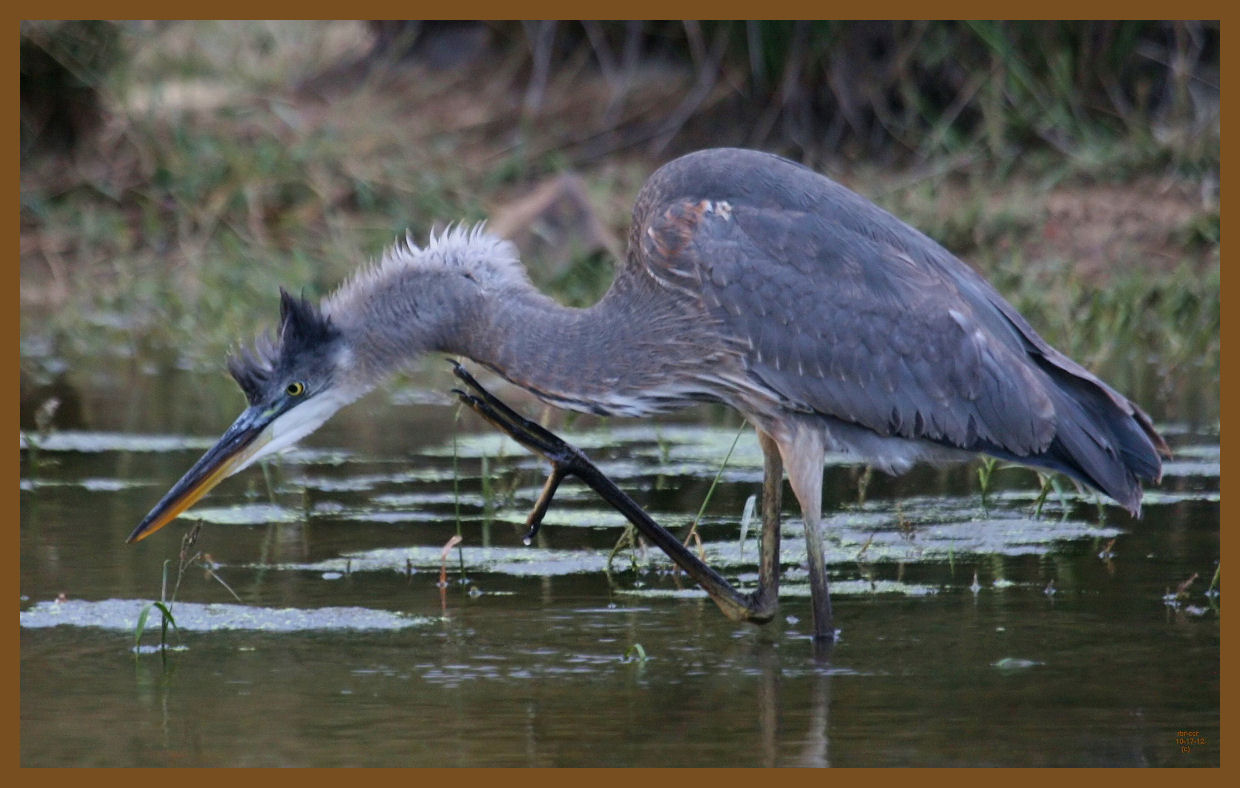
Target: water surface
971, 633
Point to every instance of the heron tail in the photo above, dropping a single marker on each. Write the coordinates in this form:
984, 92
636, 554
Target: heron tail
1102, 439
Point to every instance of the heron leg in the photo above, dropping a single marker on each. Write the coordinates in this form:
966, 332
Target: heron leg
567, 460
824, 622
766, 597
803, 456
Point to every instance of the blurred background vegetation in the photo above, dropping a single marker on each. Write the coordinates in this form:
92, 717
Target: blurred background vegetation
174, 174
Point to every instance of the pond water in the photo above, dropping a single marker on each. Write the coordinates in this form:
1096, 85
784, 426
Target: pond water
973, 632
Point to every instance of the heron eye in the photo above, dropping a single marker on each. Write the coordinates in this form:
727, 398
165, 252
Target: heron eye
296, 388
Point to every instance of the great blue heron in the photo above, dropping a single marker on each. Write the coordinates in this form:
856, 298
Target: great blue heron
750, 280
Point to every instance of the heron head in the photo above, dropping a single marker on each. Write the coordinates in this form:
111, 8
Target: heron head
293, 384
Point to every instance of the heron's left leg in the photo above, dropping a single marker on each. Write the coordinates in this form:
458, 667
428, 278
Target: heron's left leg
567, 460
766, 598
803, 456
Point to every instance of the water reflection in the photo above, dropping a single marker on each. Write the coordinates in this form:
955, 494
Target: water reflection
813, 749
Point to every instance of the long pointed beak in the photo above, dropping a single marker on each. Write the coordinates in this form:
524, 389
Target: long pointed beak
234, 450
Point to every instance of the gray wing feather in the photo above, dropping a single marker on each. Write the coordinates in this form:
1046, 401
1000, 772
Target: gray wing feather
857, 327
841, 309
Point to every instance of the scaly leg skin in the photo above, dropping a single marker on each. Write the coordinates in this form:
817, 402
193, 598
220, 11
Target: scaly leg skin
824, 621
568, 460
803, 453
766, 597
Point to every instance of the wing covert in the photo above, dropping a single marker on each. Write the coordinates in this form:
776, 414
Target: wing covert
866, 327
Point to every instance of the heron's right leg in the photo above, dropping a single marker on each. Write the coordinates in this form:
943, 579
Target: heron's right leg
803, 456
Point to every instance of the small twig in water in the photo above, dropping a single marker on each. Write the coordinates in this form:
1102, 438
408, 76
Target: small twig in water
443, 573
1107, 552
443, 560
864, 547
1181, 591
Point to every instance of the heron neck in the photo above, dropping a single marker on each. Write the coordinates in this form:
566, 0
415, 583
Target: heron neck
621, 356
635, 351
